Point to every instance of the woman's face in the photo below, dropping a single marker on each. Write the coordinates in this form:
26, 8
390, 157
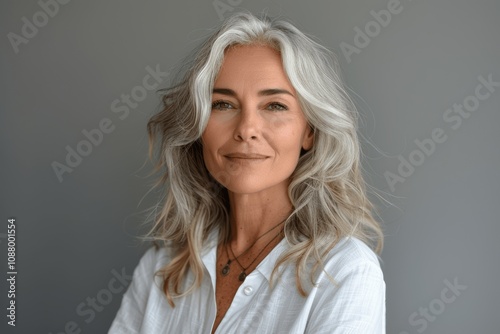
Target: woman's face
256, 129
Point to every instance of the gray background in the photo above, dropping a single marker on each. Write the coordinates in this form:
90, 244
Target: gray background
442, 222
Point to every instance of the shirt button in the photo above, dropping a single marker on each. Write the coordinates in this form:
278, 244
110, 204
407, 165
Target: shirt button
248, 290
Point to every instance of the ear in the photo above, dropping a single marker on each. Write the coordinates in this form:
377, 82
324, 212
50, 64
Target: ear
308, 141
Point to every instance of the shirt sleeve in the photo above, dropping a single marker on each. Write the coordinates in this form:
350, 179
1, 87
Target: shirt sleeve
356, 305
131, 312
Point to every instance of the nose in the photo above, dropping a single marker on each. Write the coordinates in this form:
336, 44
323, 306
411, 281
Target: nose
248, 125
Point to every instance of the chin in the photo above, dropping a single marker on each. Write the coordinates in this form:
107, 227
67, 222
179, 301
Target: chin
244, 188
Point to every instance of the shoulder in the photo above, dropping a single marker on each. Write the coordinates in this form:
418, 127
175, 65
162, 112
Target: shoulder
354, 268
144, 275
157, 257
134, 303
153, 259
355, 300
351, 252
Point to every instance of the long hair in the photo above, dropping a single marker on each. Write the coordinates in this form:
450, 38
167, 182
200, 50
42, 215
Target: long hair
327, 189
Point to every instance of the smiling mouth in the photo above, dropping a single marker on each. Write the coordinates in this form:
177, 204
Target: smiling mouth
245, 159
241, 158
246, 156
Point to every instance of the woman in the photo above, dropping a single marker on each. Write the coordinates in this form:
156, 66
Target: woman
265, 226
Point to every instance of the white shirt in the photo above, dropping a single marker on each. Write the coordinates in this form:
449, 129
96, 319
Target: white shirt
356, 305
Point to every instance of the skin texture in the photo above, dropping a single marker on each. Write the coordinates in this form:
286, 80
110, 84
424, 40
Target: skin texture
244, 120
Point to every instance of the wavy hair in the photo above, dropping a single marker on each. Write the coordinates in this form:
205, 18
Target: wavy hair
327, 189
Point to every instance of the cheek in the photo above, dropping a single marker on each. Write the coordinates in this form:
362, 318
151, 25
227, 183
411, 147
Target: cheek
207, 151
290, 138
288, 146
211, 142
208, 134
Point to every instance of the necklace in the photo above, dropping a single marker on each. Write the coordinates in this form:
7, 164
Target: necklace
243, 273
225, 269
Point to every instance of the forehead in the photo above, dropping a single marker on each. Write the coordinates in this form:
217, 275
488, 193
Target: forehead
253, 64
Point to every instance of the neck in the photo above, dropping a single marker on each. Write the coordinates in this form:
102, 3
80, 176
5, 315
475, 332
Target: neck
252, 215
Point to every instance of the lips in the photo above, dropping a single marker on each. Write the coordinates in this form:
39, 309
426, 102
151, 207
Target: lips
240, 155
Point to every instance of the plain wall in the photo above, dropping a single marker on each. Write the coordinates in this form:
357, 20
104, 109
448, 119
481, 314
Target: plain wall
74, 235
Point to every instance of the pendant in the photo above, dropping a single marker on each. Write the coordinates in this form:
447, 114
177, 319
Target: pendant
242, 276
225, 270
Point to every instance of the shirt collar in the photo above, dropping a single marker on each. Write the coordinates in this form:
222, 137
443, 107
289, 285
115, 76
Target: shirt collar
266, 266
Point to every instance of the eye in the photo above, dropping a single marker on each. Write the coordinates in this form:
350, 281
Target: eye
221, 105
275, 106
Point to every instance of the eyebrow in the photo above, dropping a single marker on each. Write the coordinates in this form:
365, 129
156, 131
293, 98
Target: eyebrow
264, 92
